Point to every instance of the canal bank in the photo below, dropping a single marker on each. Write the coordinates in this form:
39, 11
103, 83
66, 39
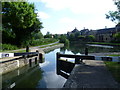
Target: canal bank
10, 64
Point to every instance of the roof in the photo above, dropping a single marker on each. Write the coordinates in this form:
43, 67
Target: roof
75, 30
106, 30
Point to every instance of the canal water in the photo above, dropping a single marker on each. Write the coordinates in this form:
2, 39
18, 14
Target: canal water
41, 76
45, 75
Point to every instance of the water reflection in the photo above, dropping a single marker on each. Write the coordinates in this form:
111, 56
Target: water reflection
64, 68
79, 48
95, 45
22, 78
50, 79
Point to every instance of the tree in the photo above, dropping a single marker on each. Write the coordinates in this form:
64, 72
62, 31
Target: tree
117, 37
71, 37
63, 39
90, 38
38, 35
115, 15
21, 19
81, 38
56, 36
48, 35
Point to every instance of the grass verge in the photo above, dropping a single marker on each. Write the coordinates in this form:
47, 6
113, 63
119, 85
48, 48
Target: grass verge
114, 68
104, 43
50, 45
114, 55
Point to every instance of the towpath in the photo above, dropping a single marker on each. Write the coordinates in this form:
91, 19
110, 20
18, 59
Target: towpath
91, 74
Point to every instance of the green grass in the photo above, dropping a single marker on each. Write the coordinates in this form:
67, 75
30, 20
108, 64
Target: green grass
9, 47
114, 55
114, 68
50, 45
19, 51
103, 43
43, 41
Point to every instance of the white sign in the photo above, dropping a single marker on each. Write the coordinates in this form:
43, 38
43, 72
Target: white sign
6, 55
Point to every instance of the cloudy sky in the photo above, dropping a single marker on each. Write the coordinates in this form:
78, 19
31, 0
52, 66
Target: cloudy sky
61, 16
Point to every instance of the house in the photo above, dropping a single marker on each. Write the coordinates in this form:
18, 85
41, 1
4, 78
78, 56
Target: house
105, 35
101, 35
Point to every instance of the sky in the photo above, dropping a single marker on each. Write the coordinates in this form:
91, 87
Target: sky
62, 16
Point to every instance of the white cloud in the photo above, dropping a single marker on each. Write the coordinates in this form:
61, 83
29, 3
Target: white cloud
84, 13
43, 15
81, 6
92, 23
67, 20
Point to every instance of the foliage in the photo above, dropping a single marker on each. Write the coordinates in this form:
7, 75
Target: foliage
42, 41
90, 38
56, 36
48, 35
117, 37
81, 38
114, 15
71, 37
22, 12
63, 39
8, 47
8, 36
38, 35
20, 18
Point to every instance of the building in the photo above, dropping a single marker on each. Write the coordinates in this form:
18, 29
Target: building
101, 35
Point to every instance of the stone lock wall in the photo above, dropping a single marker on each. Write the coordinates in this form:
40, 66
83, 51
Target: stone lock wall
11, 65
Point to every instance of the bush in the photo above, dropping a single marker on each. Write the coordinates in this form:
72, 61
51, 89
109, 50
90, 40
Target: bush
8, 47
42, 41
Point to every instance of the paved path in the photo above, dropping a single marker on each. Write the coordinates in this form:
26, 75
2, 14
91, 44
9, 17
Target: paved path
32, 48
92, 74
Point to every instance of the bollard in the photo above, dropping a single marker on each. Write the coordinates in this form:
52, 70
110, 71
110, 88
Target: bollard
77, 60
58, 55
38, 52
58, 63
35, 60
86, 51
40, 57
27, 48
30, 62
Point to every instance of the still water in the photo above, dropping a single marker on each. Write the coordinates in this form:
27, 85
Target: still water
44, 75
41, 76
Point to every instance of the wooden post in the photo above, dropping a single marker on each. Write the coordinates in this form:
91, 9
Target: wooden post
77, 60
27, 48
35, 60
58, 55
57, 63
40, 57
30, 62
86, 51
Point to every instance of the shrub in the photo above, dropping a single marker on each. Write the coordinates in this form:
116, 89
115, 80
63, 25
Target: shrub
42, 41
8, 47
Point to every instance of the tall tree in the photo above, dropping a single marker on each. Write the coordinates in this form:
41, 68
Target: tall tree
21, 18
115, 15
